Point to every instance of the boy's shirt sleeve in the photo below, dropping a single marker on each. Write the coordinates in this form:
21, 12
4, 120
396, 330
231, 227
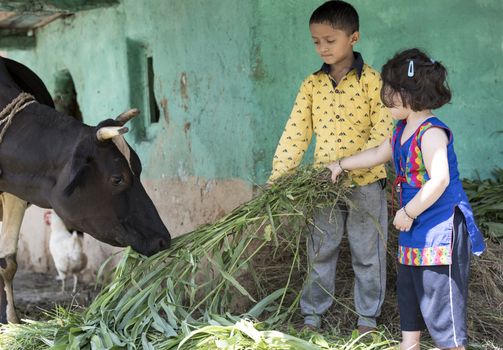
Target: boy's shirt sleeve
297, 134
380, 116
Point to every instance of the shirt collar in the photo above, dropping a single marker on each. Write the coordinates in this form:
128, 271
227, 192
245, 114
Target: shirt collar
357, 65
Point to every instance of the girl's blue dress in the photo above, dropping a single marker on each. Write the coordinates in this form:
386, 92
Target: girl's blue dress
429, 240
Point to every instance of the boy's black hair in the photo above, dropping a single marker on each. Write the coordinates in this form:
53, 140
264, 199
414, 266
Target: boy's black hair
427, 88
338, 14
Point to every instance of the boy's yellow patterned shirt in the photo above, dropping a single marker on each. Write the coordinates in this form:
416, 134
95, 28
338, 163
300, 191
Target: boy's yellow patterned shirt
346, 120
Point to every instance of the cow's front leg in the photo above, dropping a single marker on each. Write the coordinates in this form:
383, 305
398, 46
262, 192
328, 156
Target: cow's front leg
8, 267
13, 212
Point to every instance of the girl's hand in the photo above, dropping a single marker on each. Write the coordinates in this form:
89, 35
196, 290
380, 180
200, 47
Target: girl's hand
402, 221
336, 169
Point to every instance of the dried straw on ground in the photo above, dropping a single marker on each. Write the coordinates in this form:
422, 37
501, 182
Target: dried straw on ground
250, 263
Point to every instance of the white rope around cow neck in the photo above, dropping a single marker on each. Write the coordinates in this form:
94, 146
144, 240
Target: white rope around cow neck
13, 108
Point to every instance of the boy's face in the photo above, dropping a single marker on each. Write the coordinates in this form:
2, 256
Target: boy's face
333, 45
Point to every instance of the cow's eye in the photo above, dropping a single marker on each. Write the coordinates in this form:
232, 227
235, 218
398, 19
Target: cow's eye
117, 180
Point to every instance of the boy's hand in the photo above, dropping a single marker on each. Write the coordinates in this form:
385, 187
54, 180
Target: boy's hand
402, 221
336, 170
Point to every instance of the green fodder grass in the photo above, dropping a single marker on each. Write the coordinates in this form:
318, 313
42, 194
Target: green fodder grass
251, 263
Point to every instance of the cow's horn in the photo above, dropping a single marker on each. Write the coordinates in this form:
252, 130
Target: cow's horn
123, 118
107, 132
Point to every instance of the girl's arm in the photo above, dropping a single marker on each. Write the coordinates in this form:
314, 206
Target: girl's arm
434, 149
366, 159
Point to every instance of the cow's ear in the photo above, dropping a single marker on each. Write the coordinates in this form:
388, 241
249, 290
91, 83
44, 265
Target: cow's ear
80, 166
77, 179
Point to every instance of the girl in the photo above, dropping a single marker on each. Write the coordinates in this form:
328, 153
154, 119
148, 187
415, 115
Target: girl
437, 228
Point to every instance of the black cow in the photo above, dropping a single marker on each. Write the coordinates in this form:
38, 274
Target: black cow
88, 175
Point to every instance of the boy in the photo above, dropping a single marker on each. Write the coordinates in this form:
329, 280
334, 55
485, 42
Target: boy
341, 104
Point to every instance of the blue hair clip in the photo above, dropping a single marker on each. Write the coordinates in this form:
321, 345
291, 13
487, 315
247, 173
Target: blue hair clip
432, 60
410, 71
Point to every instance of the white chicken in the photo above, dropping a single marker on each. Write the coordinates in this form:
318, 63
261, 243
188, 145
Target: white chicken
66, 249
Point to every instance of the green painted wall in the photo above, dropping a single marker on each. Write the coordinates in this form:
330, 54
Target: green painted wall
227, 72
466, 35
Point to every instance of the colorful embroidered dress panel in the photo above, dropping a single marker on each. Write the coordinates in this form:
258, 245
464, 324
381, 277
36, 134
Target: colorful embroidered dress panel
429, 240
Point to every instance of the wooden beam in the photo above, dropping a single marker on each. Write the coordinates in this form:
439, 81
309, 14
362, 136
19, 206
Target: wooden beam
27, 21
6, 15
53, 5
48, 19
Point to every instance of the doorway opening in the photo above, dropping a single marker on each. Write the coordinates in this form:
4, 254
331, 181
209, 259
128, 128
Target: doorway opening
65, 95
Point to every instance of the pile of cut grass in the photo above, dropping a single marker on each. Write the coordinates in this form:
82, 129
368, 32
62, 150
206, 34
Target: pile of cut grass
236, 284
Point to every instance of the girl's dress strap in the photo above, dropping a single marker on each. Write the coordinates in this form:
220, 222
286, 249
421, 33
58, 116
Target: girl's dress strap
397, 131
416, 173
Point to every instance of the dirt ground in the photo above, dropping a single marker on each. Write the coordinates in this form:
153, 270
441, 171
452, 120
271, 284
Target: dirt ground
36, 293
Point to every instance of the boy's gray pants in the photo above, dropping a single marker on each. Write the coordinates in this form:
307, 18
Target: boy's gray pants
366, 225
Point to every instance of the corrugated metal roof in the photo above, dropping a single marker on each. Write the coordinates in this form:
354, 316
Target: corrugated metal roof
31, 14
26, 20
19, 19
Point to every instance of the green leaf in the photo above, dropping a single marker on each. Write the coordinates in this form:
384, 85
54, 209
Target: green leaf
145, 343
267, 233
232, 280
257, 310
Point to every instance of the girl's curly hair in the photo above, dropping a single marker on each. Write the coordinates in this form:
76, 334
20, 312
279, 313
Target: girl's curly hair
427, 88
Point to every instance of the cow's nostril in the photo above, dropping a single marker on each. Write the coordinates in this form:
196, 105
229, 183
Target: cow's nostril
163, 244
